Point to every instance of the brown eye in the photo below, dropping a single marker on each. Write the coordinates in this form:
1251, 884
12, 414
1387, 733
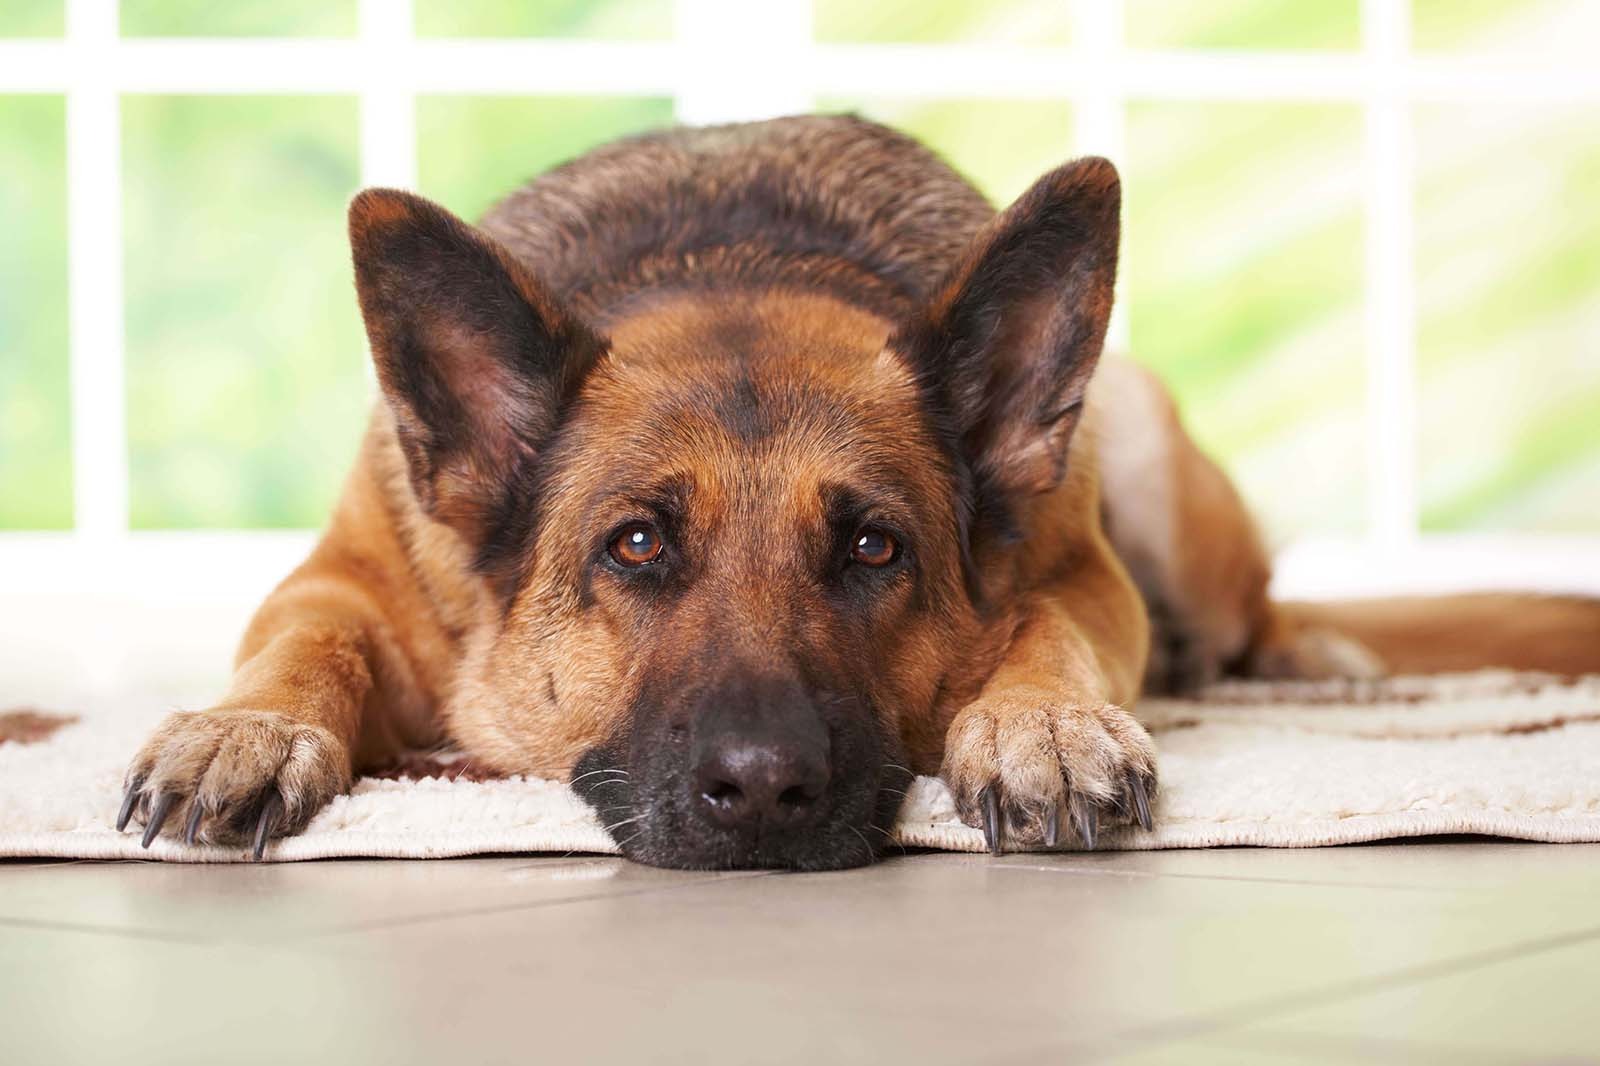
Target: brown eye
636, 545
874, 547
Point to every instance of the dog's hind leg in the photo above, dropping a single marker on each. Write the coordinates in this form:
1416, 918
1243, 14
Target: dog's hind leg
1182, 530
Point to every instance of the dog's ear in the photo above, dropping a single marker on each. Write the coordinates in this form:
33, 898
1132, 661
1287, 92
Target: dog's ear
475, 359
1005, 348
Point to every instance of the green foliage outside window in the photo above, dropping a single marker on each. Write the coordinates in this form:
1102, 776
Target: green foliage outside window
1242, 275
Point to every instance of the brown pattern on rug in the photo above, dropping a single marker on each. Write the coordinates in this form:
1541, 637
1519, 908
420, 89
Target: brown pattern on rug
24, 725
1366, 691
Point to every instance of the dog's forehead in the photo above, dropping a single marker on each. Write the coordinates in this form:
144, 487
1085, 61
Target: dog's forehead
738, 436
769, 377
753, 410
777, 337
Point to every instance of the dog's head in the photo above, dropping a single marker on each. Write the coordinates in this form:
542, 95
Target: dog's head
739, 544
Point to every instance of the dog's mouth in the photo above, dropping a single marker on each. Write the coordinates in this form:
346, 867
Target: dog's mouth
715, 796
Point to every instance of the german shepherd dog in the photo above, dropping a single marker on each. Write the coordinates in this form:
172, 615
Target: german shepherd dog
737, 474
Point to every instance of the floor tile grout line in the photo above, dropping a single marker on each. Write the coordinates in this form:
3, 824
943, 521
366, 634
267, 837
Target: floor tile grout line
1231, 1018
47, 925
1366, 1048
313, 934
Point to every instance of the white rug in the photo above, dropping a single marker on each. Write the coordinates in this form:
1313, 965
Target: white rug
1276, 765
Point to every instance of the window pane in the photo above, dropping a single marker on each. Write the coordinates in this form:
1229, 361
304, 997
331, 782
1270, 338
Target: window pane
472, 150
1002, 146
1508, 261
35, 435
246, 373
238, 18
1242, 269
1040, 22
1535, 29
33, 18
1265, 24
614, 19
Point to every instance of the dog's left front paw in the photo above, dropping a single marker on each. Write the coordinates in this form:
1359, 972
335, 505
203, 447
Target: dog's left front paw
1024, 761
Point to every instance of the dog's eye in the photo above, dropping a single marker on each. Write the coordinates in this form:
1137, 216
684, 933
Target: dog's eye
636, 545
874, 547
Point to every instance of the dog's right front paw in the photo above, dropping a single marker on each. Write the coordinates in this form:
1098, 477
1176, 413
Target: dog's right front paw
233, 777
1023, 762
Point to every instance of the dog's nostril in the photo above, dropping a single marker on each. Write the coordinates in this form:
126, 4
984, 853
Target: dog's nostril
795, 797
723, 794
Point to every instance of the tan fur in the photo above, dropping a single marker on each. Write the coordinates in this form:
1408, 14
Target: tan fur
1179, 524
1444, 634
1186, 536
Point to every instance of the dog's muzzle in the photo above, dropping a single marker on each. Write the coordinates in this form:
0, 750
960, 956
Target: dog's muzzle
747, 773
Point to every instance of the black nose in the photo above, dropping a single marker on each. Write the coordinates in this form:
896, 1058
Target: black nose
760, 760
744, 785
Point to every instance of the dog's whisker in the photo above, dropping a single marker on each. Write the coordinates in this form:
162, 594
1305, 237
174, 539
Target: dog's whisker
602, 770
597, 786
888, 836
871, 851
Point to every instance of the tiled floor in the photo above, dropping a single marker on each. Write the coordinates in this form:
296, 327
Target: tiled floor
1429, 952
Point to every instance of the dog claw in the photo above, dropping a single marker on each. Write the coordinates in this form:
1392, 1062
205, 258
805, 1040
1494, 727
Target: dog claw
269, 814
1141, 802
158, 815
192, 826
130, 798
1084, 822
991, 818
1052, 825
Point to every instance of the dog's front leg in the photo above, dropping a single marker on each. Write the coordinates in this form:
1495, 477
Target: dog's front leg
1049, 748
279, 745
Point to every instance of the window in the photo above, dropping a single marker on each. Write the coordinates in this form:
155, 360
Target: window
1360, 240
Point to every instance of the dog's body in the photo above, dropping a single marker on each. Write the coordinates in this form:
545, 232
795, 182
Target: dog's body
733, 474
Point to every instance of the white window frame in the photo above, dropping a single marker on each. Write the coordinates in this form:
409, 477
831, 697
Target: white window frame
732, 60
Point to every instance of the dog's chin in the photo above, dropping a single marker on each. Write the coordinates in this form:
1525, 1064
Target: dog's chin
821, 851
853, 836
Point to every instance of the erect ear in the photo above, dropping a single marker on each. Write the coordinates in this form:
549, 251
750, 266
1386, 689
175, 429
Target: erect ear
1005, 349
475, 359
